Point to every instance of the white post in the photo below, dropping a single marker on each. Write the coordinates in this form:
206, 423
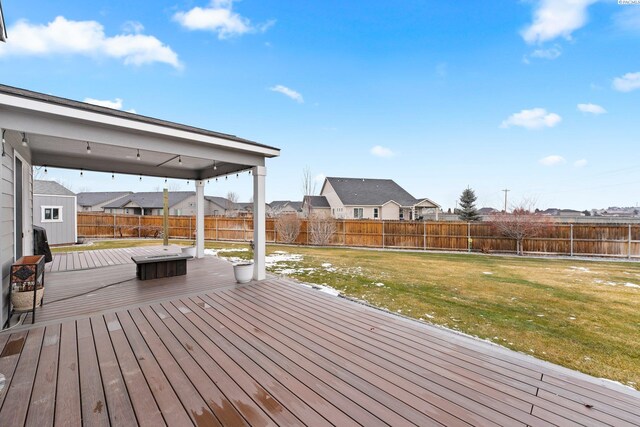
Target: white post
437, 210
199, 219
259, 223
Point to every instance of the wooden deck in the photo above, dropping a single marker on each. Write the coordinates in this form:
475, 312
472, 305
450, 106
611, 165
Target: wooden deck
278, 353
82, 260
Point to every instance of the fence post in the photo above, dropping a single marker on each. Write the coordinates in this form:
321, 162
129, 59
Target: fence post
424, 235
468, 237
307, 233
216, 229
382, 234
244, 229
114, 226
571, 237
189, 235
629, 246
344, 232
139, 227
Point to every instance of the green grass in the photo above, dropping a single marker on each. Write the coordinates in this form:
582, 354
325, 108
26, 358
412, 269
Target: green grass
562, 310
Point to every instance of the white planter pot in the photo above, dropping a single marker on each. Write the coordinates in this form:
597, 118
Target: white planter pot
243, 272
189, 250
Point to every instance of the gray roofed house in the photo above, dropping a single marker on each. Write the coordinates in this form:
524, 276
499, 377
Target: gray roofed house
151, 203
51, 188
279, 207
54, 209
361, 198
94, 201
316, 205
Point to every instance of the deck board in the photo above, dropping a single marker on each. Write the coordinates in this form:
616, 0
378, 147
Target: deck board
200, 350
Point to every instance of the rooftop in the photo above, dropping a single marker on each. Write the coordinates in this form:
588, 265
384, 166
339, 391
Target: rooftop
370, 192
51, 188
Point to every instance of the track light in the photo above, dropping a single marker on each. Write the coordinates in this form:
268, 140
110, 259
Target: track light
45, 169
24, 139
81, 172
138, 155
180, 160
113, 176
88, 148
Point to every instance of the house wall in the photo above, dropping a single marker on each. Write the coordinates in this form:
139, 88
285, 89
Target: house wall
338, 209
7, 212
391, 212
97, 207
58, 233
320, 212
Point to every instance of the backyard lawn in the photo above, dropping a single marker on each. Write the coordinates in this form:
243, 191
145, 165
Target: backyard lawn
584, 315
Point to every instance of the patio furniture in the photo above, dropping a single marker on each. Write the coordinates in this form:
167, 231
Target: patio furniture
158, 266
27, 284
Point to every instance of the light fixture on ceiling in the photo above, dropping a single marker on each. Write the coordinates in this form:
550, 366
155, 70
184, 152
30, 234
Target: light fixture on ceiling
88, 148
215, 167
226, 177
140, 177
24, 139
216, 179
113, 176
180, 160
81, 172
187, 182
45, 169
165, 180
138, 155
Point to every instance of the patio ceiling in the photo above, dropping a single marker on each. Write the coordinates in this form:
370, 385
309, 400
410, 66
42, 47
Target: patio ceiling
59, 130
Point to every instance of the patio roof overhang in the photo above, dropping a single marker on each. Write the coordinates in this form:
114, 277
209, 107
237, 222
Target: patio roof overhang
58, 132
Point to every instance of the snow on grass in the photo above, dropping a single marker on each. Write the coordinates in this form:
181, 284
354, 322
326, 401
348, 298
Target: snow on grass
215, 252
379, 284
580, 269
631, 285
488, 273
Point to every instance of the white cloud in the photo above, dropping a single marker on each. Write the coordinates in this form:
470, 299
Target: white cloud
553, 160
115, 104
535, 118
556, 18
219, 18
62, 36
628, 19
591, 108
296, 96
627, 83
550, 53
380, 151
133, 27
580, 163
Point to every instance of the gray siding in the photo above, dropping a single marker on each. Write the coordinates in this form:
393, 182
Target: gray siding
7, 213
58, 233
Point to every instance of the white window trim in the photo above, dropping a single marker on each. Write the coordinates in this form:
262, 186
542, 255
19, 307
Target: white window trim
42, 218
361, 210
376, 213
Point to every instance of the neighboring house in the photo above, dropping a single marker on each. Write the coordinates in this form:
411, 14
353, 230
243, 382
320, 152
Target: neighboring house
283, 207
95, 201
151, 203
487, 211
565, 213
316, 206
360, 198
54, 209
221, 206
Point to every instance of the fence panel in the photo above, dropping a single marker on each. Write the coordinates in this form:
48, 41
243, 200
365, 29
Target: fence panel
619, 240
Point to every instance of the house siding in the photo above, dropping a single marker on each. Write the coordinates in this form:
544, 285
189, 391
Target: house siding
338, 210
390, 211
7, 211
58, 233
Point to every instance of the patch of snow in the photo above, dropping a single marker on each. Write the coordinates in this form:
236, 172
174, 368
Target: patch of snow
487, 272
572, 318
540, 315
327, 290
581, 269
326, 264
280, 256
631, 285
215, 252
380, 285
610, 283
429, 316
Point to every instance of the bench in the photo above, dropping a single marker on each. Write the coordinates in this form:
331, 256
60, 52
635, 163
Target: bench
158, 266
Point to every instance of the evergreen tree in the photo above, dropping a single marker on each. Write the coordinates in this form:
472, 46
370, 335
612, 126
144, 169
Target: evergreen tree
468, 211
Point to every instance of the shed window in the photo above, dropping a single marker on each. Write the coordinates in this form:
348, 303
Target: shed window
51, 213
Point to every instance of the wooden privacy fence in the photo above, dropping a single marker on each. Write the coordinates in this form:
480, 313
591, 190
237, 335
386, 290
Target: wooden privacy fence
558, 239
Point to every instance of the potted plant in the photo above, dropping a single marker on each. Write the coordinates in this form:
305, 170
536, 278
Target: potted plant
243, 271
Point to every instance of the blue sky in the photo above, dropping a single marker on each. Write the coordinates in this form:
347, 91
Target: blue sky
540, 97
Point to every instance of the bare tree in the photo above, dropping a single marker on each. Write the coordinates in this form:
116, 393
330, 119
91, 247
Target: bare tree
288, 227
231, 204
308, 182
520, 224
321, 229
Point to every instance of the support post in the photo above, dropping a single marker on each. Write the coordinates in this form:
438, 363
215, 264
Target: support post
571, 237
468, 237
165, 216
199, 219
259, 223
629, 247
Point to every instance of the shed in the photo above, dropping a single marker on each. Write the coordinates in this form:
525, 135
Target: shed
54, 209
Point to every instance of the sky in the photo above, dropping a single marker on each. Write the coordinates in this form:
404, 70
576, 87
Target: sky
540, 97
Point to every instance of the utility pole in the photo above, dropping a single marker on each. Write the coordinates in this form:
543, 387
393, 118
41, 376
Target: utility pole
506, 190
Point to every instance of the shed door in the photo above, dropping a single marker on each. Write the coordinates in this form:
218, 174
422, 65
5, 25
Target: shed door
18, 204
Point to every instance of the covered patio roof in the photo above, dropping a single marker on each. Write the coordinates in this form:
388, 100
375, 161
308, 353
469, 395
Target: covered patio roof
60, 132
